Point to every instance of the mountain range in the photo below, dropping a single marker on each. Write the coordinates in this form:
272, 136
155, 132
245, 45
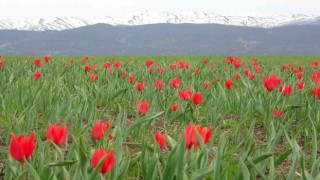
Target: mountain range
163, 39
181, 17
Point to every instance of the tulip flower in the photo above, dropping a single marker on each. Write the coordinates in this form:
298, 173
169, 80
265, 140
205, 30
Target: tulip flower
123, 74
161, 139
99, 129
175, 107
22, 147
118, 64
175, 82
185, 94
37, 62
286, 89
57, 134
197, 98
277, 113
106, 65
191, 136
143, 107
139, 86
271, 82
159, 84
235, 76
228, 83
108, 162
36, 75
46, 58
206, 85
149, 62
94, 77
1, 63
300, 85
131, 79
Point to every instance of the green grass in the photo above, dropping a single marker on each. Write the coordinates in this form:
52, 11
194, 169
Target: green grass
247, 141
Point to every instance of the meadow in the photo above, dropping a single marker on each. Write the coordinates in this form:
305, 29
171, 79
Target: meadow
158, 117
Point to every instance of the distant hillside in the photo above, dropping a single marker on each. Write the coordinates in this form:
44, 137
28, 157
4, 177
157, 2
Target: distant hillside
163, 39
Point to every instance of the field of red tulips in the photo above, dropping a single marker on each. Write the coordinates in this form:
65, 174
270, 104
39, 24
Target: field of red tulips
162, 118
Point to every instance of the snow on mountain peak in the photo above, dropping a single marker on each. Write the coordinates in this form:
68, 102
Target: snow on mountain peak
196, 17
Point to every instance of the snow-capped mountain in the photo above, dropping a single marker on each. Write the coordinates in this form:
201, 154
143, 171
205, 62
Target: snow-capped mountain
195, 17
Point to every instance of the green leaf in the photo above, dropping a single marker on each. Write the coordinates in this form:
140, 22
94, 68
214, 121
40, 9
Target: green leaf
63, 163
139, 121
32, 171
116, 94
201, 173
244, 169
172, 143
282, 157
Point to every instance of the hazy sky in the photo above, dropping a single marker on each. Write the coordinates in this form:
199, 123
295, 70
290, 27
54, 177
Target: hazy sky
85, 8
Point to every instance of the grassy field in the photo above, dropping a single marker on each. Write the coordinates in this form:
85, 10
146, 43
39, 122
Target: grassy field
261, 127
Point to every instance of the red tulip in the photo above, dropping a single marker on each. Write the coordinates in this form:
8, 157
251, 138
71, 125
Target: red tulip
123, 74
22, 147
87, 67
299, 75
118, 64
235, 76
258, 69
94, 77
246, 71
106, 64
172, 66
284, 67
46, 58
99, 129
150, 71
110, 136
175, 107
197, 98
197, 71
314, 64
286, 89
206, 85
149, 62
185, 94
205, 61
143, 107
160, 70
191, 137
161, 139
317, 92
139, 86
1, 63
212, 66
277, 113
300, 85
37, 62
271, 82
251, 76
108, 162
183, 64
228, 83
57, 134
71, 61
159, 84
36, 75
110, 70
205, 133
131, 79
175, 82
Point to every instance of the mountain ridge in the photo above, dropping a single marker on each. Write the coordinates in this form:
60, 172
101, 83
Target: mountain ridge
182, 17
163, 39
